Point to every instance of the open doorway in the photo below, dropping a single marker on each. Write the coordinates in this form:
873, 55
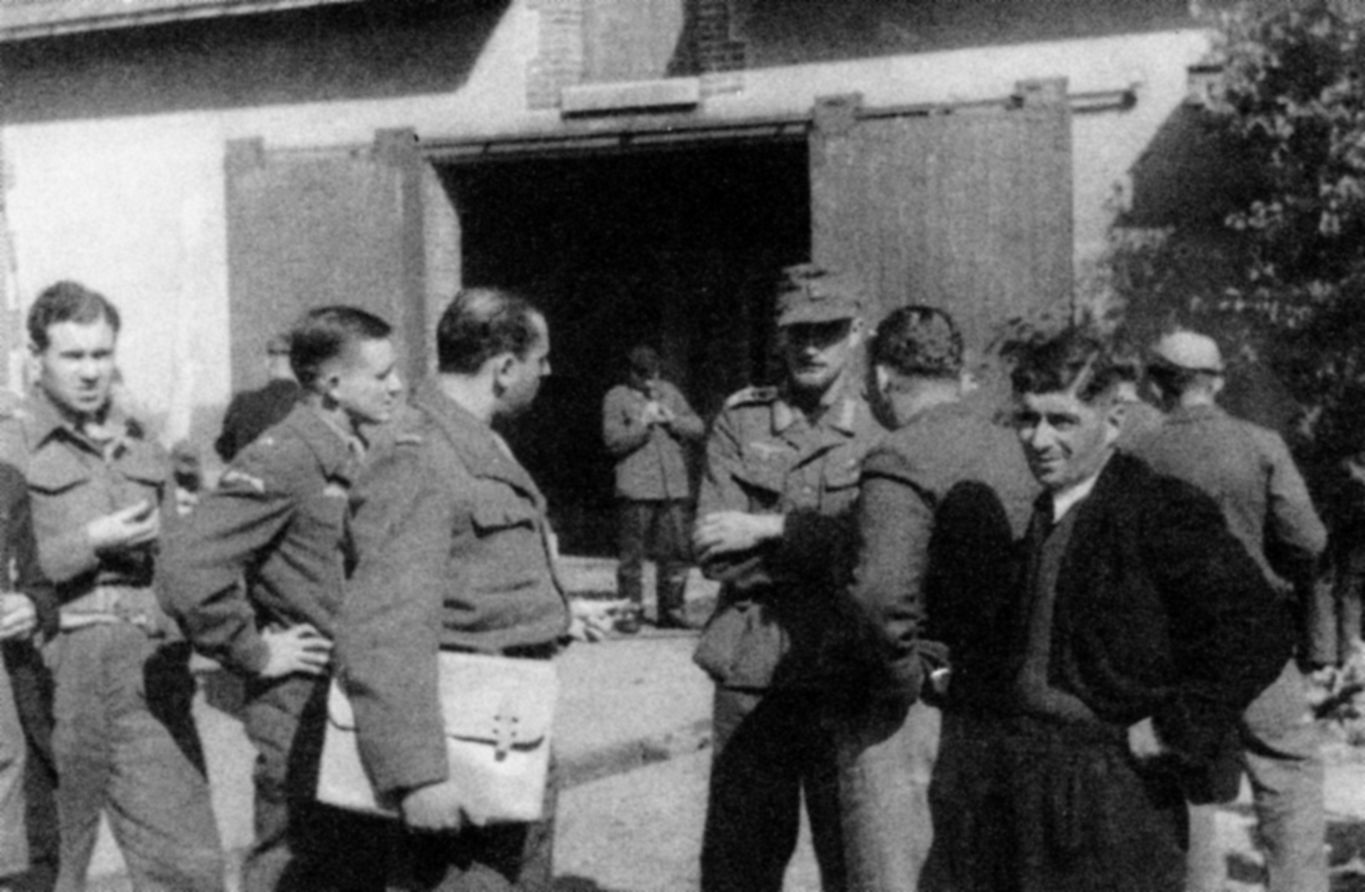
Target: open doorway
677, 248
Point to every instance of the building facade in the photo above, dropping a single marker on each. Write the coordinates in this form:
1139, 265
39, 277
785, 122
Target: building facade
642, 167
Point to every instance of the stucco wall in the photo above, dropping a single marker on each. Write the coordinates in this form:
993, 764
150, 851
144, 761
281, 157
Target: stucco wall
115, 152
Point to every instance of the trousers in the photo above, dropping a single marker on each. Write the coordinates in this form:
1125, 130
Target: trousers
770, 749
1282, 755
886, 762
657, 526
126, 744
300, 844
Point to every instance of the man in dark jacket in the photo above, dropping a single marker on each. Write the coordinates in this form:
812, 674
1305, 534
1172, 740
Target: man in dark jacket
1138, 633
252, 412
255, 576
943, 499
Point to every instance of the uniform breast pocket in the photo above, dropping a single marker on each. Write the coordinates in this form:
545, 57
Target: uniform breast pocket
502, 512
763, 483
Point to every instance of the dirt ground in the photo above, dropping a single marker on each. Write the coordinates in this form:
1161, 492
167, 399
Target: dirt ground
633, 745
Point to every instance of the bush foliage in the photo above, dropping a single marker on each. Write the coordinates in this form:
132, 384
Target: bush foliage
1284, 274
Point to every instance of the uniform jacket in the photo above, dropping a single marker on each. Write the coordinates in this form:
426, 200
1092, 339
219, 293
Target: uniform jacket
27, 674
453, 553
1160, 612
943, 500
1249, 472
277, 522
72, 481
651, 460
253, 412
778, 604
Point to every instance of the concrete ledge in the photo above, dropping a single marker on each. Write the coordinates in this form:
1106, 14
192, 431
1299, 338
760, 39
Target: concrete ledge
583, 768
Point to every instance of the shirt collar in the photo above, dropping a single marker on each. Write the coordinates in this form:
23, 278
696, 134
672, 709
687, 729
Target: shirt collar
840, 409
1066, 499
48, 420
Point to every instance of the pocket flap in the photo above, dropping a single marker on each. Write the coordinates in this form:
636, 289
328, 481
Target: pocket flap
506, 702
503, 513
55, 470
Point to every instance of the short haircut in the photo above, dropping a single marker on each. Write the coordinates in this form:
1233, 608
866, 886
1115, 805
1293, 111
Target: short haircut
1076, 360
324, 333
481, 323
644, 361
68, 301
918, 340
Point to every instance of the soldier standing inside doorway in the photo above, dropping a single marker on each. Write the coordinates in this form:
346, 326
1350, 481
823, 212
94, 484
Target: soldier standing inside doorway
647, 425
782, 470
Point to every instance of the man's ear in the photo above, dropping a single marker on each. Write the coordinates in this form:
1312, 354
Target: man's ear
503, 364
1113, 419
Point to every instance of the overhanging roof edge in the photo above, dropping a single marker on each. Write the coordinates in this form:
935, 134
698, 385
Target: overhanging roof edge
57, 24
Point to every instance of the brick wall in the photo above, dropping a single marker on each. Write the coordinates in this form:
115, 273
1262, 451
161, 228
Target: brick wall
586, 41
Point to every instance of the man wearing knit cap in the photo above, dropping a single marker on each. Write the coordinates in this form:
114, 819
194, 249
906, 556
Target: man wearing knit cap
1249, 472
648, 426
781, 477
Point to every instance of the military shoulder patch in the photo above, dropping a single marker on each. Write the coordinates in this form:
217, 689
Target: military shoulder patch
234, 478
751, 395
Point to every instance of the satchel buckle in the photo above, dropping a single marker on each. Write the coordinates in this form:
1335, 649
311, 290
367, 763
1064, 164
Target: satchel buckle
504, 730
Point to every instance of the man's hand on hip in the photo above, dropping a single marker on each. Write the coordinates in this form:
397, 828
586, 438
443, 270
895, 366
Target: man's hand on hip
296, 649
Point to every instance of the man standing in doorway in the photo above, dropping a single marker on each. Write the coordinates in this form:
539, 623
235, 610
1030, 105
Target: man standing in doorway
1249, 472
781, 477
647, 425
255, 576
124, 739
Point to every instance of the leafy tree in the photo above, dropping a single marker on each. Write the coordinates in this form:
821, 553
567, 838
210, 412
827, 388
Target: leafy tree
1283, 274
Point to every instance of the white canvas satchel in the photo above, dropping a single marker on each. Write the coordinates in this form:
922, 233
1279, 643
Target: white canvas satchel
498, 714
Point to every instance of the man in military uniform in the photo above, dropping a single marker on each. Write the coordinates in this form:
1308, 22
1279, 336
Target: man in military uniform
781, 476
453, 554
278, 519
252, 412
1249, 472
124, 739
647, 424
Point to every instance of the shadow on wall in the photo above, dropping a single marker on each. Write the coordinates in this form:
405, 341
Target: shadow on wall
329, 53
783, 32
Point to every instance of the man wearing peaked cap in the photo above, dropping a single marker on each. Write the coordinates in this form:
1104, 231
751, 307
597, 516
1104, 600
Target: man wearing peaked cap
1250, 473
1189, 351
781, 478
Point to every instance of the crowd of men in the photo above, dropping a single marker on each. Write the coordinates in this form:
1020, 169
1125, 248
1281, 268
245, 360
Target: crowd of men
1006, 658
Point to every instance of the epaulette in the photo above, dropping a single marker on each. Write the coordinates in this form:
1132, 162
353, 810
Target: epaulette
750, 396
235, 477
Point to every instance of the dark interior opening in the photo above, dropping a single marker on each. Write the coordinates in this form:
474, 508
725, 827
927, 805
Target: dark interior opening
678, 249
